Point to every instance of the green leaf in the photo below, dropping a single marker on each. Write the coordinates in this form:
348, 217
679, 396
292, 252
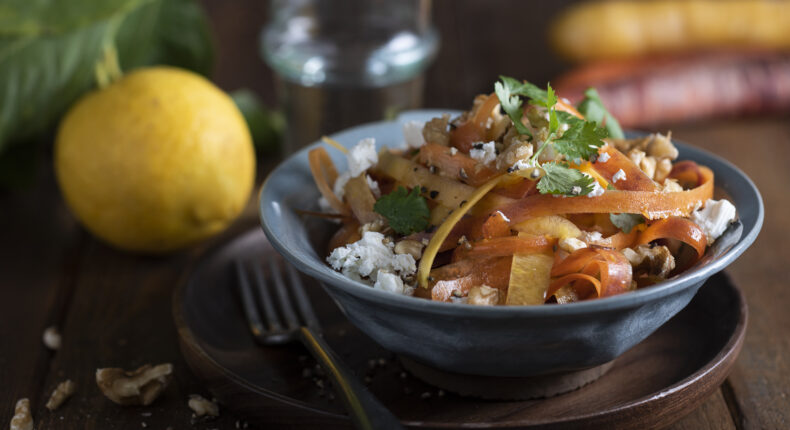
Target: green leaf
580, 141
266, 126
626, 222
407, 212
593, 110
511, 104
48, 51
563, 180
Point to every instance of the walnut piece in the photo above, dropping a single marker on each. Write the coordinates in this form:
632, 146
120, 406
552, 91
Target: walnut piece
483, 295
22, 419
51, 338
62, 392
202, 406
138, 387
411, 247
435, 130
657, 261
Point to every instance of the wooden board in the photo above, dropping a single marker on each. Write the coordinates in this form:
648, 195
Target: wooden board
650, 386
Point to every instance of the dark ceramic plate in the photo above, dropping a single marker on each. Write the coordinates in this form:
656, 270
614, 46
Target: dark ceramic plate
650, 386
504, 341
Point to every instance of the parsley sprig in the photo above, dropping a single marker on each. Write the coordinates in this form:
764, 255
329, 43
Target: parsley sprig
578, 142
406, 212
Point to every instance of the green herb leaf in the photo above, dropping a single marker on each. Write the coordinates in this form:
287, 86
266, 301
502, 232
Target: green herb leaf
407, 212
581, 141
593, 109
62, 42
511, 104
626, 222
563, 180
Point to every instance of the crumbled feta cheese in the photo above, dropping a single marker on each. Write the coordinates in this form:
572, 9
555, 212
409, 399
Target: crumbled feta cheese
603, 158
388, 282
453, 150
483, 295
576, 190
362, 156
412, 132
365, 257
523, 164
619, 176
339, 188
483, 152
591, 236
503, 216
571, 244
374, 186
597, 189
714, 218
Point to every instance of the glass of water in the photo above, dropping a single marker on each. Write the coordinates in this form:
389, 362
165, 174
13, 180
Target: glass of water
342, 63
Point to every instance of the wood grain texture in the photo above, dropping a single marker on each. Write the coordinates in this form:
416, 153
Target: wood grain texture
37, 235
761, 380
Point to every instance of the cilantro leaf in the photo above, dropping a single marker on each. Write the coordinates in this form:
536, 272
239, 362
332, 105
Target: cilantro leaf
511, 104
626, 222
593, 109
526, 89
407, 212
561, 179
580, 141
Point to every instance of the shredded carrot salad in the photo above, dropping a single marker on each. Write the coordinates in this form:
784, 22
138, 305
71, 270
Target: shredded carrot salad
522, 200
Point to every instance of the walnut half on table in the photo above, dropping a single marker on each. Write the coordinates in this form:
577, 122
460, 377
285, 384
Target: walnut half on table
138, 387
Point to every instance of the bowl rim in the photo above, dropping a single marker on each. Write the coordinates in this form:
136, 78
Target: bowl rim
635, 298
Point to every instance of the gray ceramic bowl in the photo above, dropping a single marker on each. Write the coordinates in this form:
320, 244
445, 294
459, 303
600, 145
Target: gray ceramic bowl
512, 341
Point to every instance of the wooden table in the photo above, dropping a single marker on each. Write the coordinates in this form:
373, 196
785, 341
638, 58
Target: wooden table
114, 309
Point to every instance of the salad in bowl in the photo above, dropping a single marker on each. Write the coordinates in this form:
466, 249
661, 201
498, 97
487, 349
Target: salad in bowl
523, 199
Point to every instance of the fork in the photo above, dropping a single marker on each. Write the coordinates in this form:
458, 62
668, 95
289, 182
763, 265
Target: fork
276, 322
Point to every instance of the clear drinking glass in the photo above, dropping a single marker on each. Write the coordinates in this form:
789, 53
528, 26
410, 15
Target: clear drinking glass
342, 63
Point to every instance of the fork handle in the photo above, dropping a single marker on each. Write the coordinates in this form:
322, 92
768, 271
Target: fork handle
366, 411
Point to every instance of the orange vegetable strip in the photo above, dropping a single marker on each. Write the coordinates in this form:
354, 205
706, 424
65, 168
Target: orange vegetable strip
444, 230
361, 200
504, 246
348, 233
678, 228
635, 178
474, 129
324, 174
451, 165
687, 173
566, 107
495, 226
465, 274
652, 205
572, 279
611, 266
334, 143
619, 240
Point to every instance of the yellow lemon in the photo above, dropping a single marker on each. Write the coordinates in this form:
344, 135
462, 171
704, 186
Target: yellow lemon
156, 161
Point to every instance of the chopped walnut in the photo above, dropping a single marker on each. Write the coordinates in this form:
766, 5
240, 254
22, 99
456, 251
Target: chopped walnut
661, 146
22, 419
657, 261
663, 167
571, 244
515, 151
645, 162
62, 392
411, 247
483, 296
435, 131
138, 387
51, 338
671, 186
202, 406
655, 145
378, 225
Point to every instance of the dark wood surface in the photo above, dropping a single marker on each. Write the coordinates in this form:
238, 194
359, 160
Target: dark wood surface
114, 309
